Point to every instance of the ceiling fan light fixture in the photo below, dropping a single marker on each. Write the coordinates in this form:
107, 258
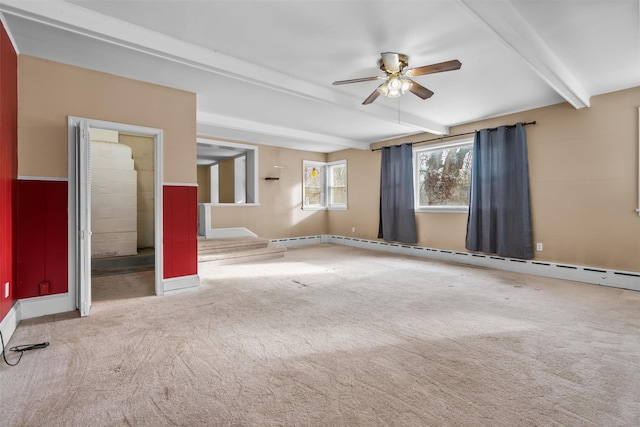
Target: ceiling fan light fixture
384, 89
405, 85
394, 87
397, 81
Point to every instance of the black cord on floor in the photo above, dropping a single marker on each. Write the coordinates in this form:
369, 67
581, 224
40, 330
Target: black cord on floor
20, 349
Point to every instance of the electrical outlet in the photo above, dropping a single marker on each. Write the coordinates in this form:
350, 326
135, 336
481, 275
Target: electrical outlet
6, 290
539, 247
353, 229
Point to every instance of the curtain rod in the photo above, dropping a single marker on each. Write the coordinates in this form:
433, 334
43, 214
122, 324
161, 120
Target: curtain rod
440, 138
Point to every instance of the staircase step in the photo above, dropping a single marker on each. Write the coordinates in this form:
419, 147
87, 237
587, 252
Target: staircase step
248, 255
230, 244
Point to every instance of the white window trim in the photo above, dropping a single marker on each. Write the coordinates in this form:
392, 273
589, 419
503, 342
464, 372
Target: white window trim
325, 187
337, 207
318, 165
416, 184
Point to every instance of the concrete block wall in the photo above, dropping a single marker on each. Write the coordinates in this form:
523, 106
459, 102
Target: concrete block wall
113, 200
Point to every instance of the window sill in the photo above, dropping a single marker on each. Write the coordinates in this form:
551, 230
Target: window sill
444, 209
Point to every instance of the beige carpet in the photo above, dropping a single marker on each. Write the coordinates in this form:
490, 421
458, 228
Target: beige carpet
337, 336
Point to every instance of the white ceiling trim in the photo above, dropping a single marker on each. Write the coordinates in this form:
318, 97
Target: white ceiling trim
234, 123
8, 31
513, 29
69, 17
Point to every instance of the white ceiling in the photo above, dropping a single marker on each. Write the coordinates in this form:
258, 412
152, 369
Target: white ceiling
263, 69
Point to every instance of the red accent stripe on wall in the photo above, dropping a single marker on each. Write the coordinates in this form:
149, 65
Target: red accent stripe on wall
8, 166
180, 230
41, 238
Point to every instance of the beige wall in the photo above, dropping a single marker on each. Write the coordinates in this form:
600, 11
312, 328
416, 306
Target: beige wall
226, 181
204, 184
584, 185
49, 92
279, 214
363, 195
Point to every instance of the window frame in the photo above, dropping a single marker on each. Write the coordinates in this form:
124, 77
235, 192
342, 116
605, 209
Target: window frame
416, 176
326, 189
329, 187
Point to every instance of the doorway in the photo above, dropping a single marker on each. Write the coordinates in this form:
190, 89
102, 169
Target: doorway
82, 204
122, 215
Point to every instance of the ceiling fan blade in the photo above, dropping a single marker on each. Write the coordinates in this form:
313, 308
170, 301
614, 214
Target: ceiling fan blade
419, 90
434, 68
391, 62
362, 79
375, 94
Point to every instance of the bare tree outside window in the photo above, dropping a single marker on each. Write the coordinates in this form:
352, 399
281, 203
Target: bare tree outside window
338, 185
444, 176
313, 185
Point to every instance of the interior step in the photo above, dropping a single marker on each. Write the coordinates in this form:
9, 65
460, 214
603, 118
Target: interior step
234, 250
230, 244
244, 255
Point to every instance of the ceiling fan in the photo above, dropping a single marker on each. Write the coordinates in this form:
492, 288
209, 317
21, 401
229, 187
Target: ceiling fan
396, 82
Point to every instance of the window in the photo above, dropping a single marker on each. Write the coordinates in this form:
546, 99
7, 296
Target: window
324, 185
443, 177
337, 184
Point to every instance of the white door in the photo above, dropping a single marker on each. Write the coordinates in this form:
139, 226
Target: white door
83, 217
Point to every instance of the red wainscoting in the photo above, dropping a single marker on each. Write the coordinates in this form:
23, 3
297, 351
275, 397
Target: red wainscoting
8, 167
180, 230
41, 238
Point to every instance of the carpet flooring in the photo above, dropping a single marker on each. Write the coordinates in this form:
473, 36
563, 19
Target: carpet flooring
337, 336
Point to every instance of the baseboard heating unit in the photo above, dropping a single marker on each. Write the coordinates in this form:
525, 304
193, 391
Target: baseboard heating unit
593, 275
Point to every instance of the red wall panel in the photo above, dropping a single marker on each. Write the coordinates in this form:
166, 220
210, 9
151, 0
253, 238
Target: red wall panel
56, 242
8, 167
167, 236
30, 238
180, 231
42, 241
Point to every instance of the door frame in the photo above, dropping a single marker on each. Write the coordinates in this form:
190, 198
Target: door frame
74, 260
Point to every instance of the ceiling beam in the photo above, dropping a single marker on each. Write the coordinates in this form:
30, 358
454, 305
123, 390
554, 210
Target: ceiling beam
243, 125
514, 30
76, 19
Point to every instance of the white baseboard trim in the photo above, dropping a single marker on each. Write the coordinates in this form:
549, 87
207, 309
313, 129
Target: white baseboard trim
10, 323
178, 283
42, 306
28, 308
578, 273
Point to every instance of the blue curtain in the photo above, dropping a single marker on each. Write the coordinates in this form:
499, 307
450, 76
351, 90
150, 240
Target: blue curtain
499, 209
397, 213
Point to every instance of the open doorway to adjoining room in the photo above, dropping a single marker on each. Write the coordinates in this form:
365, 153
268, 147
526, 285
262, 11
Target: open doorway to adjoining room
115, 211
122, 215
